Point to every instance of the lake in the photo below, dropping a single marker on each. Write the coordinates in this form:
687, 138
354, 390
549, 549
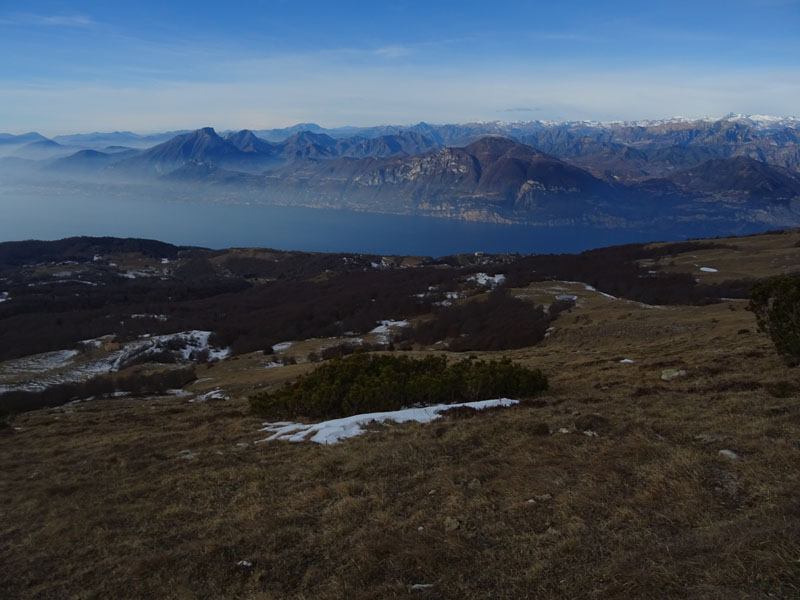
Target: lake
56, 215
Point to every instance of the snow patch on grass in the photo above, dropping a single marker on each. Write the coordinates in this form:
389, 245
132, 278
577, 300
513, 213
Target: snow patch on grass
487, 280
39, 372
161, 318
385, 326
216, 394
593, 289
335, 430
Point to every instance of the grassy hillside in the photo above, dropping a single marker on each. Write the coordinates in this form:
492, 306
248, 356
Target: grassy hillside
660, 463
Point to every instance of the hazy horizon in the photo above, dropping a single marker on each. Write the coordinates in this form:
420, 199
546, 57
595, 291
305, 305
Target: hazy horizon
220, 129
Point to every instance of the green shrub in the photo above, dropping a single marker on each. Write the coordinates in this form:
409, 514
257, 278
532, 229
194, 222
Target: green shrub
776, 305
363, 383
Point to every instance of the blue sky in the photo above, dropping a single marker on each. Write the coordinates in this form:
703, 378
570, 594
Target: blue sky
150, 66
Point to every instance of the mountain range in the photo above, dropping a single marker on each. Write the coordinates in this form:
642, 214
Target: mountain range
611, 174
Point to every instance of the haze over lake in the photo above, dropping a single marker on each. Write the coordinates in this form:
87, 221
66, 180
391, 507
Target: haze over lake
49, 215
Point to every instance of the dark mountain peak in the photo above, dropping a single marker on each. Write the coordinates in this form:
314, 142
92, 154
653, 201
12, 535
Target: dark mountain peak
22, 138
492, 143
246, 141
491, 148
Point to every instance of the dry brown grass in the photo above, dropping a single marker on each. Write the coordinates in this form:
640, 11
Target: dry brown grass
160, 498
753, 257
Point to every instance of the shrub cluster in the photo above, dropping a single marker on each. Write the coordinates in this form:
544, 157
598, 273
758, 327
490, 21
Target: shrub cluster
363, 383
776, 305
136, 383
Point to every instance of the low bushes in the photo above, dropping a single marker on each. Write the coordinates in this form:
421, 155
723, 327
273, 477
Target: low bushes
776, 305
135, 383
364, 383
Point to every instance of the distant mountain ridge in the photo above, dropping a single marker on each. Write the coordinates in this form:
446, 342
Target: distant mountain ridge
244, 151
611, 174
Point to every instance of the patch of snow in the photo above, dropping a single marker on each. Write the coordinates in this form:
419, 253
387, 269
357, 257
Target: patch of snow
385, 326
40, 362
212, 395
384, 329
39, 372
570, 297
443, 303
593, 289
93, 342
453, 295
487, 280
164, 261
626, 361
161, 318
549, 331
282, 346
335, 430
708, 270
179, 393
183, 344
136, 274
41, 283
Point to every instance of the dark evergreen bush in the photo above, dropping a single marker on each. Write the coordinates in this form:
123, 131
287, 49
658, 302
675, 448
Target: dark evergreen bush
363, 383
776, 305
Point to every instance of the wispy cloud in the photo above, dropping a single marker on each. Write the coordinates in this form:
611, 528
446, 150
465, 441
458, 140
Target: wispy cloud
395, 51
49, 20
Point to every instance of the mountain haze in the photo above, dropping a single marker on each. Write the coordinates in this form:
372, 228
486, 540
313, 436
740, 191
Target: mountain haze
621, 174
